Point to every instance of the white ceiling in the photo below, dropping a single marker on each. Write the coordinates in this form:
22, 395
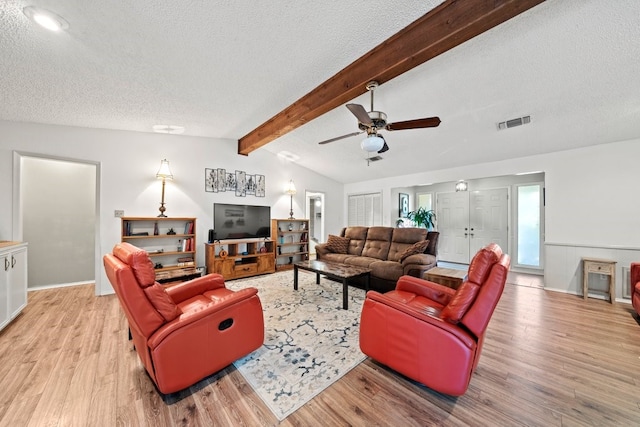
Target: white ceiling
220, 69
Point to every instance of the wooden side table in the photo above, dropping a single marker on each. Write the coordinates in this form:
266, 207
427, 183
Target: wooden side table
445, 276
599, 266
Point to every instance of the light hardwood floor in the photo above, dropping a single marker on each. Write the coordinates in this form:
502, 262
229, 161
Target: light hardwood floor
549, 359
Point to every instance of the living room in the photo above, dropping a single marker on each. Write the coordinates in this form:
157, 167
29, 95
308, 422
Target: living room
589, 207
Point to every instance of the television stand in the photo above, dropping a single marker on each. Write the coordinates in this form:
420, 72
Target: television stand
234, 259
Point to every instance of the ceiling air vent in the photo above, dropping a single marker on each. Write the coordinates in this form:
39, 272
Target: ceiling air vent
514, 122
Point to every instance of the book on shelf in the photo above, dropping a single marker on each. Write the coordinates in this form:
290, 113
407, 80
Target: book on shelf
188, 227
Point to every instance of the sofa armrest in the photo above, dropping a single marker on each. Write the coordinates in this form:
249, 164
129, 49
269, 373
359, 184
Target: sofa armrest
419, 259
433, 291
211, 309
197, 286
437, 322
321, 249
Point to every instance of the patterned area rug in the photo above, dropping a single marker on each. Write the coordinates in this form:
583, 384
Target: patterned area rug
310, 341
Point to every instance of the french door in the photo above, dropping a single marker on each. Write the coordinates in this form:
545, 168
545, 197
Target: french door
467, 221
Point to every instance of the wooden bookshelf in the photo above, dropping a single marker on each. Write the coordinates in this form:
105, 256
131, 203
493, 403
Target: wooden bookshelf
170, 243
291, 241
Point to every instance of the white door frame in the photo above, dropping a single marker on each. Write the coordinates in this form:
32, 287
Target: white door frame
17, 226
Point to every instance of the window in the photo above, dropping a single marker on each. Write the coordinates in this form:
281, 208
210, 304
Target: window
529, 224
364, 209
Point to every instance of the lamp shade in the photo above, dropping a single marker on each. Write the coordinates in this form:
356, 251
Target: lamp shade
290, 188
164, 172
372, 143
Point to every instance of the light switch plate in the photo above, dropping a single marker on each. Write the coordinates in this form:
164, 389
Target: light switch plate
118, 213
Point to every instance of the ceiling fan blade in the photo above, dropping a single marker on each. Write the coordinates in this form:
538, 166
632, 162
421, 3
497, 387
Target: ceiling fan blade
429, 122
360, 113
384, 148
340, 137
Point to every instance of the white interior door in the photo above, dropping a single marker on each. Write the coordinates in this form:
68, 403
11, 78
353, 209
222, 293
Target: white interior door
467, 221
452, 213
489, 220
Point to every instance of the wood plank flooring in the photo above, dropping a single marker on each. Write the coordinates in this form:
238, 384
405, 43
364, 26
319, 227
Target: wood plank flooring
549, 359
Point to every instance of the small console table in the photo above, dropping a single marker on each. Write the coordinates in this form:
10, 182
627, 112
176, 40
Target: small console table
599, 266
445, 276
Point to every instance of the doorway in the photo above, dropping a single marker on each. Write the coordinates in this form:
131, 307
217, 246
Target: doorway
314, 211
467, 221
55, 211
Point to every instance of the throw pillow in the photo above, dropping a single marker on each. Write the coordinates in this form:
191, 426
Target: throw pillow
416, 248
337, 244
162, 302
460, 303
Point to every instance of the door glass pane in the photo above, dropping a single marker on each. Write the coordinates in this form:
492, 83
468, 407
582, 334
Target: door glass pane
424, 201
529, 225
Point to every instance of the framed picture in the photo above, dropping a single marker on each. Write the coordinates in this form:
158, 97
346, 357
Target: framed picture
403, 203
230, 184
260, 185
241, 184
210, 180
222, 175
251, 185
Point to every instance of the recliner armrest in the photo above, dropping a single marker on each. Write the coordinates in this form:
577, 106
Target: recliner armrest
425, 288
197, 286
193, 316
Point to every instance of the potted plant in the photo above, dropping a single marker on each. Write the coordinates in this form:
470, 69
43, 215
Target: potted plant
423, 218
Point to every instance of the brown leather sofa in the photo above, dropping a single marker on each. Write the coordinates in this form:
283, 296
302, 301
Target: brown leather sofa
186, 332
380, 249
431, 333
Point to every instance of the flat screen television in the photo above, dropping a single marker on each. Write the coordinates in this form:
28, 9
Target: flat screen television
241, 221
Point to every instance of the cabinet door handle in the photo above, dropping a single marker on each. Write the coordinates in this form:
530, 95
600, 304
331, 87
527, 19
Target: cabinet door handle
6, 264
13, 261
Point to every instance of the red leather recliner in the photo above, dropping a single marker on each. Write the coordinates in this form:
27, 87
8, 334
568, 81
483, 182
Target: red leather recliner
635, 286
186, 332
431, 333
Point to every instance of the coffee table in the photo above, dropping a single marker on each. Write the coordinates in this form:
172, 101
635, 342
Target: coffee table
448, 277
333, 270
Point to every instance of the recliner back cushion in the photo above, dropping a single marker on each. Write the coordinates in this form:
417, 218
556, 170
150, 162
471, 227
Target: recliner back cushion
162, 302
460, 303
378, 242
482, 262
139, 262
357, 236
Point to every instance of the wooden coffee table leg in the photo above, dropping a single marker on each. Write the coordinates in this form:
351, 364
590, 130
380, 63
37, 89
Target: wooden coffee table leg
295, 277
366, 288
317, 278
345, 295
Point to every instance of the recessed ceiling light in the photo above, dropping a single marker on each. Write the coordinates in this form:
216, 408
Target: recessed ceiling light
45, 18
172, 129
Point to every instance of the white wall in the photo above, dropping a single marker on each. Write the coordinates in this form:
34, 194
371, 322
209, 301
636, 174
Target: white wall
591, 203
128, 163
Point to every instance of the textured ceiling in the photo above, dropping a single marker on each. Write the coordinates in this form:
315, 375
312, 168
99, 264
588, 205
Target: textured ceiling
222, 68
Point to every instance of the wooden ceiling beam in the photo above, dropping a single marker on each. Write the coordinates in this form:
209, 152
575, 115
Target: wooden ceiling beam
443, 28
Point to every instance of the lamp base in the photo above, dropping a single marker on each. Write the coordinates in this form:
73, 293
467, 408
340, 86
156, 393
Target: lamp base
162, 209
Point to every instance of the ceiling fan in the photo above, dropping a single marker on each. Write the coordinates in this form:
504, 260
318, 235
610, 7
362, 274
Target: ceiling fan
373, 121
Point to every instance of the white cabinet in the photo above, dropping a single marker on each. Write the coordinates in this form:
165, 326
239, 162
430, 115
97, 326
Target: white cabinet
13, 280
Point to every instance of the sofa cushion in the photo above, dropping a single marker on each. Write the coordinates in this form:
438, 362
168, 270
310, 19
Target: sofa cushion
403, 238
388, 270
357, 236
337, 244
378, 242
461, 301
360, 261
162, 302
342, 258
416, 248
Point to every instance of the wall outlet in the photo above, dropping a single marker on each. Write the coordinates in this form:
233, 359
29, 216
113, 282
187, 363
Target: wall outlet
118, 213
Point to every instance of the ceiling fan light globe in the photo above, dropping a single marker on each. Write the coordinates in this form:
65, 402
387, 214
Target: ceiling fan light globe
372, 143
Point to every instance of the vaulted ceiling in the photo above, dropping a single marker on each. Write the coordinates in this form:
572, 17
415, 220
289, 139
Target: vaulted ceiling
222, 69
